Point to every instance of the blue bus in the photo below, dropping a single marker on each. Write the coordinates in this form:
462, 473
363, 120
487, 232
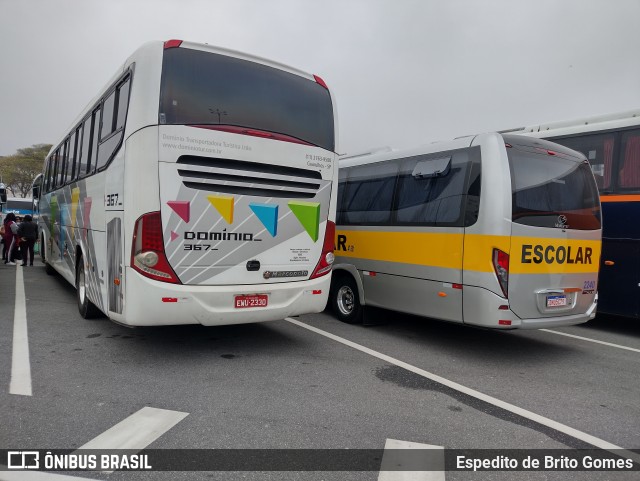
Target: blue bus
611, 143
18, 205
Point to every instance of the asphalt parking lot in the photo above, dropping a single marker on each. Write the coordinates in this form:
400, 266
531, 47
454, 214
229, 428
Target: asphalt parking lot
313, 383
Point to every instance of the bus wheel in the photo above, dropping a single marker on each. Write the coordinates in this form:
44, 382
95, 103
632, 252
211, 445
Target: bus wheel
47, 267
345, 301
87, 309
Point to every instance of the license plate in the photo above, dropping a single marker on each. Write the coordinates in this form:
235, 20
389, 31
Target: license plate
556, 301
254, 300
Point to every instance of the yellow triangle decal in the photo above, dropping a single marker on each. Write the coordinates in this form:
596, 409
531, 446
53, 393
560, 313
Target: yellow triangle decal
224, 206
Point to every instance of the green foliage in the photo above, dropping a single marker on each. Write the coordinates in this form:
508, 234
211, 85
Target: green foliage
17, 171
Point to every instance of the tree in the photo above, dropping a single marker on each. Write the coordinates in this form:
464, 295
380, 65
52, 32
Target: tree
17, 171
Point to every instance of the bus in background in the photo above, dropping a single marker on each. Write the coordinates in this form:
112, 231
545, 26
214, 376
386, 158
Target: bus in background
195, 188
611, 143
498, 231
20, 206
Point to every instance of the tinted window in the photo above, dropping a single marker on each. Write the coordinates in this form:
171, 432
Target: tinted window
342, 185
369, 193
93, 153
629, 174
107, 148
123, 102
64, 162
598, 149
204, 88
47, 176
108, 115
433, 200
56, 169
72, 157
552, 191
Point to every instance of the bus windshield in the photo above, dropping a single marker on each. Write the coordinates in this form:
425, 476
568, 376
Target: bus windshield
203, 88
552, 190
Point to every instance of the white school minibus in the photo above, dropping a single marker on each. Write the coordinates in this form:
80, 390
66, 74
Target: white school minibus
499, 231
195, 188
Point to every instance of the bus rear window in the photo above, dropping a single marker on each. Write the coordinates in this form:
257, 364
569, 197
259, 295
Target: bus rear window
203, 88
552, 190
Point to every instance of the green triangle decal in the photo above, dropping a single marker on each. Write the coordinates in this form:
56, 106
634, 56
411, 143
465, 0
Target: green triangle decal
308, 213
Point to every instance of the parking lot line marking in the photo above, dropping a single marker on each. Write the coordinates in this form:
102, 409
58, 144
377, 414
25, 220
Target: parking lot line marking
38, 476
20, 365
591, 340
574, 433
138, 430
401, 449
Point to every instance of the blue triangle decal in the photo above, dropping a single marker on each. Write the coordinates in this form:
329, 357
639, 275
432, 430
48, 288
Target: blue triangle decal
268, 215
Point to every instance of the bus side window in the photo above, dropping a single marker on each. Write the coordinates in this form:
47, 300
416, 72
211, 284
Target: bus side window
64, 160
114, 114
72, 156
630, 162
93, 152
369, 193
342, 185
84, 152
429, 199
56, 169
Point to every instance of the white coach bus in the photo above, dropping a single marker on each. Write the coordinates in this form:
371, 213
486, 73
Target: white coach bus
499, 231
195, 188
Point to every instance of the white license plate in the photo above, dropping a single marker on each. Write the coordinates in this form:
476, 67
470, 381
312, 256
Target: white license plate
254, 300
556, 301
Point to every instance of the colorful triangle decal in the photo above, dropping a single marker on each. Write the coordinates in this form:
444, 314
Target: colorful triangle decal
224, 206
180, 207
308, 213
268, 215
174, 236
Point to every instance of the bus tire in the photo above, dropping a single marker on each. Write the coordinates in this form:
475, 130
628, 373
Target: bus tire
345, 300
87, 309
47, 267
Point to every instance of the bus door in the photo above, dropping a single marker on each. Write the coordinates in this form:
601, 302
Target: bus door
555, 243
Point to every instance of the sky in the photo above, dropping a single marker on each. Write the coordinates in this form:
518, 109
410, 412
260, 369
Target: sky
402, 72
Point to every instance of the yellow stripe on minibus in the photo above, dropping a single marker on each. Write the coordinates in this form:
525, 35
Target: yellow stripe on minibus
421, 248
527, 255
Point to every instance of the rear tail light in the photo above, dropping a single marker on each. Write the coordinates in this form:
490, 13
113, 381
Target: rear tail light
321, 82
172, 43
501, 266
147, 251
327, 257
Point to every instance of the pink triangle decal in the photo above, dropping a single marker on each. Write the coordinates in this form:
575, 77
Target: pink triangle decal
180, 207
174, 236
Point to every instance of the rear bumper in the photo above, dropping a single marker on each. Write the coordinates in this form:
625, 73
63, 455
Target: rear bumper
481, 308
171, 304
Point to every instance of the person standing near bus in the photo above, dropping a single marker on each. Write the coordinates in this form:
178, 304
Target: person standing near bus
10, 238
27, 233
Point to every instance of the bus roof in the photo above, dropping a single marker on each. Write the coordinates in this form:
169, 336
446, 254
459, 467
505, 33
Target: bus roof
614, 120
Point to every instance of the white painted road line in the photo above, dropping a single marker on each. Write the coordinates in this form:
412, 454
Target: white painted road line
574, 433
138, 430
591, 340
396, 459
37, 476
20, 365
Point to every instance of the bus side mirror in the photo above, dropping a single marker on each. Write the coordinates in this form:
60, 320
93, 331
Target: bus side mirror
35, 192
3, 194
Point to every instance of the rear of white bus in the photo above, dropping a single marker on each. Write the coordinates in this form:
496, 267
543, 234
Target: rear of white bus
246, 220
547, 272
